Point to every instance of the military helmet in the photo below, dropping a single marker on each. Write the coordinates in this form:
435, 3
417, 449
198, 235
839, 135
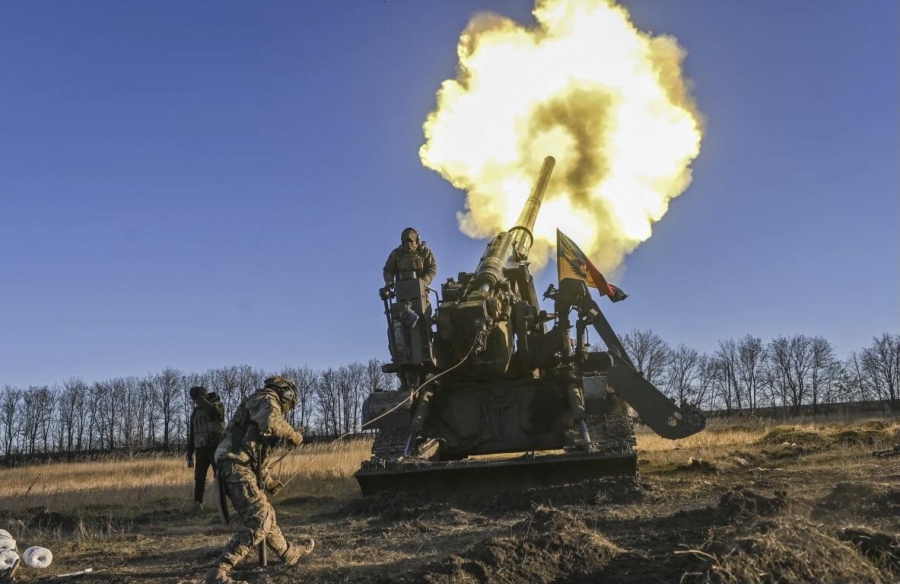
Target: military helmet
286, 388
409, 232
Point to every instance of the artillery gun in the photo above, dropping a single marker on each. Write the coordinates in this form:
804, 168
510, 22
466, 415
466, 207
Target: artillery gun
492, 373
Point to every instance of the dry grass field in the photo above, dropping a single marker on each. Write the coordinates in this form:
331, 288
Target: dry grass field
749, 502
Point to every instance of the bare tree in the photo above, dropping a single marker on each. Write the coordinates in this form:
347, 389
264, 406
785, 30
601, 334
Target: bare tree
169, 394
378, 380
111, 410
92, 427
749, 369
46, 418
724, 377
72, 418
9, 410
103, 414
328, 402
649, 352
721, 378
305, 378
144, 411
856, 384
706, 374
201, 379
351, 387
683, 375
881, 362
36, 415
823, 372
132, 413
150, 398
792, 362
249, 380
224, 382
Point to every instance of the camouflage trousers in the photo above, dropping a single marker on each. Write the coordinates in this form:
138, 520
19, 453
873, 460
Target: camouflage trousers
203, 460
254, 512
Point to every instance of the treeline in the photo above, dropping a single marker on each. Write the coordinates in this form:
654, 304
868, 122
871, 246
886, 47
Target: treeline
786, 374
135, 414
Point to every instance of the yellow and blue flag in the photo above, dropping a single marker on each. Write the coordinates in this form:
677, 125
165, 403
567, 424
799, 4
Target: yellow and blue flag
572, 263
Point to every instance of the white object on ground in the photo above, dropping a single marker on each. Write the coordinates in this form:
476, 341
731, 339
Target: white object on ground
37, 557
73, 574
4, 533
7, 543
8, 559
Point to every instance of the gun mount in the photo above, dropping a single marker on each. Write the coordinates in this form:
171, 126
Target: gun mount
492, 373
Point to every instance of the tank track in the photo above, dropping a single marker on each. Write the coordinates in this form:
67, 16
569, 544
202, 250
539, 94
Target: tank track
389, 443
612, 433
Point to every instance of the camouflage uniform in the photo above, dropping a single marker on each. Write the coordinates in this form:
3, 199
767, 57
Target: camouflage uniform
400, 261
204, 433
257, 424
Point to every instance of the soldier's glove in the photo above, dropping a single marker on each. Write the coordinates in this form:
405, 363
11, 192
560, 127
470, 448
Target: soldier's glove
190, 461
295, 439
274, 487
385, 292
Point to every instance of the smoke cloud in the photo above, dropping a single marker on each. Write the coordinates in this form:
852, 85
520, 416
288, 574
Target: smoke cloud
609, 102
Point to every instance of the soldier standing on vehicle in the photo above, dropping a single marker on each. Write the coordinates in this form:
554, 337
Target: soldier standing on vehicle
204, 433
411, 256
408, 271
258, 424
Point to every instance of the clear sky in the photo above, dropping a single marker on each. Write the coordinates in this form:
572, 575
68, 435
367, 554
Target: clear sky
204, 184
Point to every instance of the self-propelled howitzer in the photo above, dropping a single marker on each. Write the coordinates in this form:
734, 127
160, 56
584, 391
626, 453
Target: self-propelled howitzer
492, 373
484, 312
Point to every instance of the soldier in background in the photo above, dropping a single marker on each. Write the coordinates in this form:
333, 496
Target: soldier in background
410, 256
205, 429
258, 424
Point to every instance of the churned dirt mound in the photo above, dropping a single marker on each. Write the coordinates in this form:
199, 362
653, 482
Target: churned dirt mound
793, 435
793, 440
883, 549
790, 552
548, 546
741, 502
867, 499
790, 442
870, 433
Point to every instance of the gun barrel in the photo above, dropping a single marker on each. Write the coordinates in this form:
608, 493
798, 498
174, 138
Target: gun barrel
514, 244
522, 230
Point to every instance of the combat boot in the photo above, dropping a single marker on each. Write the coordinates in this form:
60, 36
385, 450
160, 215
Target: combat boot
218, 574
295, 551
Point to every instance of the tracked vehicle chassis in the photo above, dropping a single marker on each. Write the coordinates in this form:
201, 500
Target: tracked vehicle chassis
489, 476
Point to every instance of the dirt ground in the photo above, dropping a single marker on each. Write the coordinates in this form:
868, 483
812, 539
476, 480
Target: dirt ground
795, 506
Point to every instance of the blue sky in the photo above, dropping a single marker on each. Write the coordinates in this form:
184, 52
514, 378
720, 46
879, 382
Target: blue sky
197, 185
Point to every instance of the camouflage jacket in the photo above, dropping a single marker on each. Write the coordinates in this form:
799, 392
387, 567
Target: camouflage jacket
206, 424
258, 421
421, 261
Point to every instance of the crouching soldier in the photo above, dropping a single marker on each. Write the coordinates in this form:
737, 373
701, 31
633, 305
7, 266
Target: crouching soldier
257, 424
